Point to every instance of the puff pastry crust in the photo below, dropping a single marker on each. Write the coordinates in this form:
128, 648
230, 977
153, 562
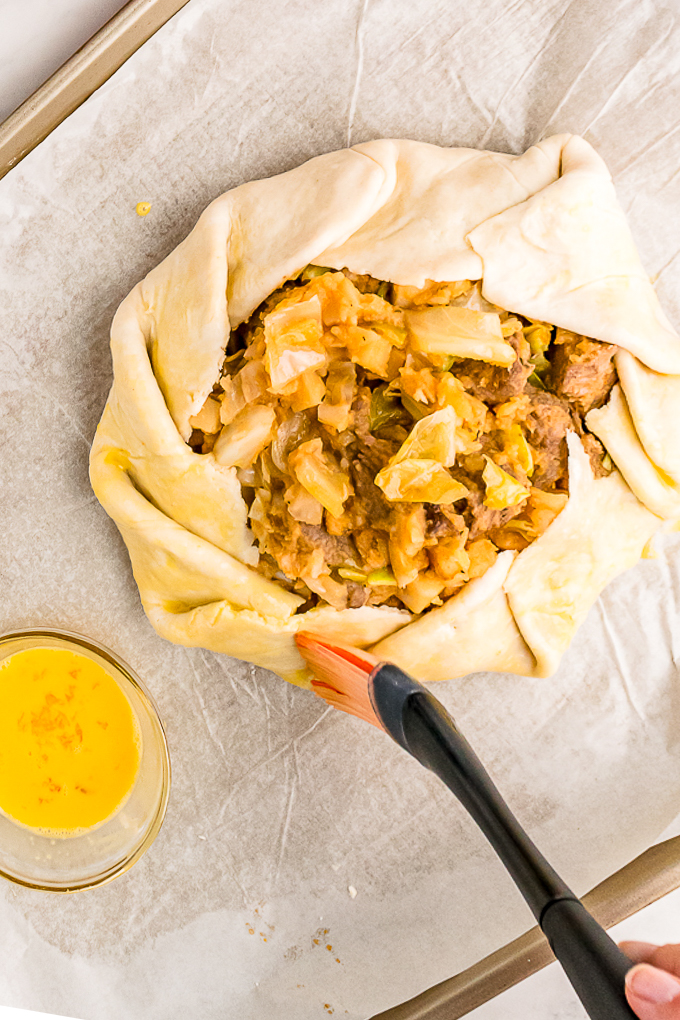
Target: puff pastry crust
546, 237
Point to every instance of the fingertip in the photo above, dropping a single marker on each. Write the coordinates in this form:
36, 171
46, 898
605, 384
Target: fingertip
638, 952
649, 986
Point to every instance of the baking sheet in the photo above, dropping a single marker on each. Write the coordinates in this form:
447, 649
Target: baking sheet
80, 76
243, 908
651, 876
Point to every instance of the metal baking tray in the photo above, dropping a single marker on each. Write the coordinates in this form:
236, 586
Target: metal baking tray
650, 876
80, 76
646, 879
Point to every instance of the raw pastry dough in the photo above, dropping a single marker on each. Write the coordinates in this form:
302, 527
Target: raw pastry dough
544, 233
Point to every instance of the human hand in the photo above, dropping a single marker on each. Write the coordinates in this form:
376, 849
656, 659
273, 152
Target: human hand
653, 984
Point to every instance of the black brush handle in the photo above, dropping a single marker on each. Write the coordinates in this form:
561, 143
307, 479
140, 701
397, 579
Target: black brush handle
593, 962
418, 722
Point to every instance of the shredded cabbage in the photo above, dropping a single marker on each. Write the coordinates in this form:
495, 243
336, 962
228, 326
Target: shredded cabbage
406, 545
293, 338
502, 490
461, 332
336, 407
208, 418
431, 438
395, 335
450, 558
334, 593
422, 591
233, 400
289, 434
245, 438
302, 506
538, 335
254, 381
419, 481
510, 325
471, 410
367, 348
309, 392
540, 511
518, 450
433, 293
320, 475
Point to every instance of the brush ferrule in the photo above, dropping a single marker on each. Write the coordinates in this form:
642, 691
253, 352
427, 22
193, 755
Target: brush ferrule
389, 688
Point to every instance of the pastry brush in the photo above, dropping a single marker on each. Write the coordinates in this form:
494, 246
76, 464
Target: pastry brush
384, 695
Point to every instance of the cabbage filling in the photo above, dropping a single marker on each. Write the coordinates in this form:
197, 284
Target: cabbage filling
390, 440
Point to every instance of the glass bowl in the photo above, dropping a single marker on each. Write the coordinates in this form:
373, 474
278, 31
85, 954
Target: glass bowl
88, 859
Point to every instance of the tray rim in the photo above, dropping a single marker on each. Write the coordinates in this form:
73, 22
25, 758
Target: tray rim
80, 76
647, 878
641, 882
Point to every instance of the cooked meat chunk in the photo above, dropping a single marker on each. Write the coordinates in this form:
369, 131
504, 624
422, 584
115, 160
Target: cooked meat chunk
493, 384
357, 595
547, 424
596, 453
337, 549
374, 452
364, 283
581, 370
302, 549
368, 507
407, 542
482, 519
373, 548
443, 522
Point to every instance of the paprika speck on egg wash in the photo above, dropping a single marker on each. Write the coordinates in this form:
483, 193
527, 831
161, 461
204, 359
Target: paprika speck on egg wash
69, 742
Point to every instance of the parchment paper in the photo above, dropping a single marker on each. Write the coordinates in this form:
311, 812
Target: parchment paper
242, 908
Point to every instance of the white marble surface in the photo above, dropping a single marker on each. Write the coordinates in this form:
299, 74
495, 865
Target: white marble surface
36, 37
8, 1013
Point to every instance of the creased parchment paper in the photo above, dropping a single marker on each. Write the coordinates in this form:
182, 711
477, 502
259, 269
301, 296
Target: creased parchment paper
282, 809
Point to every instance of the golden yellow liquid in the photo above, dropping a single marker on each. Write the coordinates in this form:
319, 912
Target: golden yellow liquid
69, 743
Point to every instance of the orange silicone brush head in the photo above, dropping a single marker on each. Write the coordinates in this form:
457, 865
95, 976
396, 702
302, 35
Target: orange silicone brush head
341, 675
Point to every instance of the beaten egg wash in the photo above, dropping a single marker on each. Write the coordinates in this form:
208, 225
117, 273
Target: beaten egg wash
69, 742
